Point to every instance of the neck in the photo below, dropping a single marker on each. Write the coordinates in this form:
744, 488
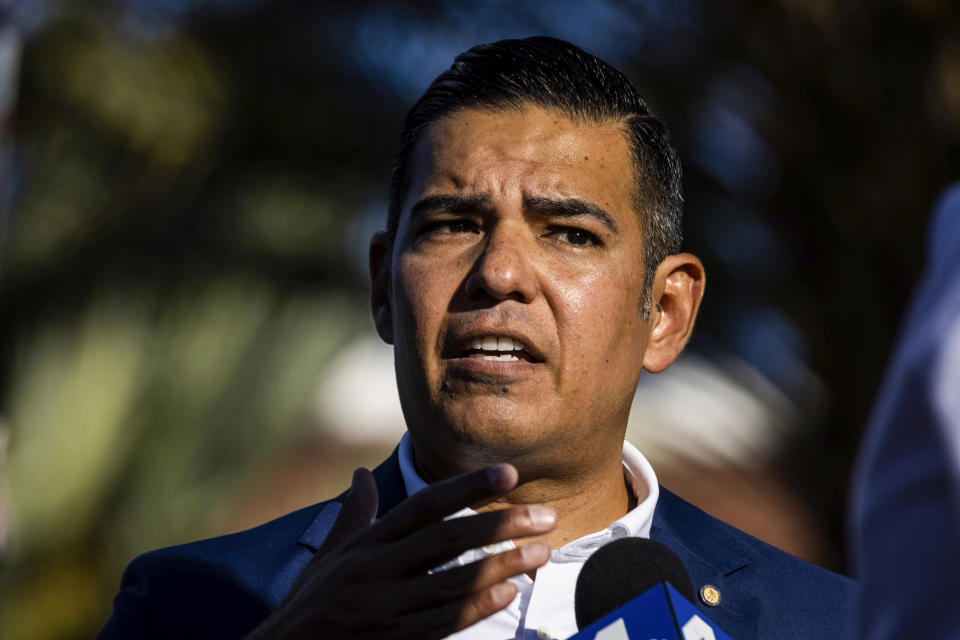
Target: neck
582, 508
584, 503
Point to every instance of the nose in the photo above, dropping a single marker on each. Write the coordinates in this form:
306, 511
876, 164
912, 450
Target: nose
504, 271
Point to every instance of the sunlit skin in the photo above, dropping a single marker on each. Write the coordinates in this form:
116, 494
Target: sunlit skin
520, 223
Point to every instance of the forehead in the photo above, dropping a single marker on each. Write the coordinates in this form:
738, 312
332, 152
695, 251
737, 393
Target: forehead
530, 151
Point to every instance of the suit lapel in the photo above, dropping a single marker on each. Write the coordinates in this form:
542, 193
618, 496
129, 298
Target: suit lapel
390, 484
391, 492
712, 557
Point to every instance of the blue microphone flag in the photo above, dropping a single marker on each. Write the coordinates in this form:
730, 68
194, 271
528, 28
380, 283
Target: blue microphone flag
659, 613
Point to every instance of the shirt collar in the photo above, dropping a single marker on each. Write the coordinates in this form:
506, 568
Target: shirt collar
635, 523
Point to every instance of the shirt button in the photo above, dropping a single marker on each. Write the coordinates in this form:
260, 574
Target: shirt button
544, 634
709, 595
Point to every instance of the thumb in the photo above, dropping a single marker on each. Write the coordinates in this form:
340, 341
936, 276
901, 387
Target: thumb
359, 509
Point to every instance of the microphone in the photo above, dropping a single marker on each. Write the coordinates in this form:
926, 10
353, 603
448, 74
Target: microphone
623, 569
638, 588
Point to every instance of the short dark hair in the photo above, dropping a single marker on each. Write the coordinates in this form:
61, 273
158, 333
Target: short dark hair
555, 74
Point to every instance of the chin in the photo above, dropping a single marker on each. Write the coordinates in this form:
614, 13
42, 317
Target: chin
504, 430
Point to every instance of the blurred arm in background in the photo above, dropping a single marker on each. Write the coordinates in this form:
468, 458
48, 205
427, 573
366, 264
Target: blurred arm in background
906, 492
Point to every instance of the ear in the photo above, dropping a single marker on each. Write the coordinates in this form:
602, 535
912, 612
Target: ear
677, 291
380, 285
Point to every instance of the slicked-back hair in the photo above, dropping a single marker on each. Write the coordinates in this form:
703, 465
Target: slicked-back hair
554, 74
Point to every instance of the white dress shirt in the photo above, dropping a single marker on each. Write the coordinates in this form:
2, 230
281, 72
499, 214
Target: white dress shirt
543, 609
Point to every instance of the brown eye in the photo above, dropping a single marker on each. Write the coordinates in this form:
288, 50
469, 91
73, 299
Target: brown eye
576, 237
458, 226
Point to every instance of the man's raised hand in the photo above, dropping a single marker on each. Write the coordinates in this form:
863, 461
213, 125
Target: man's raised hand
370, 579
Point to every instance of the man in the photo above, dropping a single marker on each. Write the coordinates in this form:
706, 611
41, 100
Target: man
529, 272
905, 520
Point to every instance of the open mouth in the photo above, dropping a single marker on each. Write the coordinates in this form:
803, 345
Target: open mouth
499, 348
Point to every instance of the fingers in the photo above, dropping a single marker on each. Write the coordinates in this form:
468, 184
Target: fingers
477, 607
364, 566
470, 581
446, 497
442, 621
358, 511
438, 542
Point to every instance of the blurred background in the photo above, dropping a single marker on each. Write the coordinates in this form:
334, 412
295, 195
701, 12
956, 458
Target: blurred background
187, 188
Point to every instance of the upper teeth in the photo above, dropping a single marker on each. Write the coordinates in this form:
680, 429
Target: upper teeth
496, 343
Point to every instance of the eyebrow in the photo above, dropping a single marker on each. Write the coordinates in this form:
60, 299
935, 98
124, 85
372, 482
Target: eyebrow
451, 204
569, 208
550, 207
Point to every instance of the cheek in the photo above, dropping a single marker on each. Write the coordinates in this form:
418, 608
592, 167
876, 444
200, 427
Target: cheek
600, 323
422, 295
598, 303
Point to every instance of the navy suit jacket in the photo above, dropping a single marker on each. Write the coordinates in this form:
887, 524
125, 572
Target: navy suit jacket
223, 587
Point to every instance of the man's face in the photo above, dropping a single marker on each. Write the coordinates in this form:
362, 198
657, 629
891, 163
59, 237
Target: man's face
516, 274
